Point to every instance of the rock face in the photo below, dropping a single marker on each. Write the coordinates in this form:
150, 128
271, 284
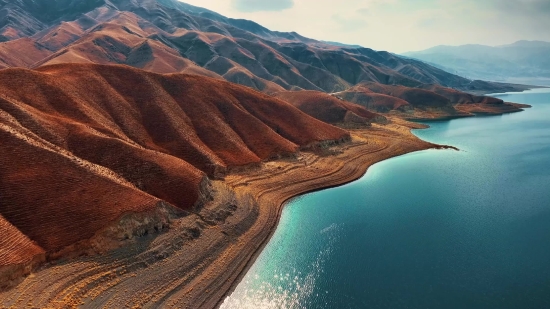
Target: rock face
167, 36
83, 145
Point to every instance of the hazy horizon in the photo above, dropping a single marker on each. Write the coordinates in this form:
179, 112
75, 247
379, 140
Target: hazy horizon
397, 25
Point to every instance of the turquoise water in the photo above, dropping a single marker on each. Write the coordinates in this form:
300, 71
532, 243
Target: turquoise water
432, 229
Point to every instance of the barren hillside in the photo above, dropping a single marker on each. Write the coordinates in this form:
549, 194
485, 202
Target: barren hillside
83, 145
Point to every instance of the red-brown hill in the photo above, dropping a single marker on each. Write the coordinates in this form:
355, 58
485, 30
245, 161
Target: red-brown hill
54, 198
425, 101
24, 250
84, 144
327, 108
419, 98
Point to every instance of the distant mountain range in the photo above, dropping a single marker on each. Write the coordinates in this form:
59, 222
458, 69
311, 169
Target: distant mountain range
523, 61
168, 36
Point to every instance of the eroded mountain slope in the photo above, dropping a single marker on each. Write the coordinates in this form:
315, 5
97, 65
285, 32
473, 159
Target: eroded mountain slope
84, 145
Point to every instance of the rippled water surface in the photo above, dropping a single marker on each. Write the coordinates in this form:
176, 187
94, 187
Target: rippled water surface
433, 229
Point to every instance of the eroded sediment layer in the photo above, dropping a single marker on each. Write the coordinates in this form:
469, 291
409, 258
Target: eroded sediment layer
198, 261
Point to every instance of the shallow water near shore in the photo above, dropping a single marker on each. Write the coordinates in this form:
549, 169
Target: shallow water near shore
432, 229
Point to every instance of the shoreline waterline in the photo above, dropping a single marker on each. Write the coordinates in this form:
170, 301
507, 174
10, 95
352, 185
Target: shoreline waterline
289, 200
420, 136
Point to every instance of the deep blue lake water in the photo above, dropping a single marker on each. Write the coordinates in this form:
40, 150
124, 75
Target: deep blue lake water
432, 229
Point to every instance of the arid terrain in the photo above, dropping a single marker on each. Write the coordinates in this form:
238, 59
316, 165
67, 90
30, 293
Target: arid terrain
147, 147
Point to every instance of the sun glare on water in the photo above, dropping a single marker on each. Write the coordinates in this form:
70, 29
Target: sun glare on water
262, 289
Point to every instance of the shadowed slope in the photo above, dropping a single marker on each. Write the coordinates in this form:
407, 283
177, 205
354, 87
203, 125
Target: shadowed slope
23, 18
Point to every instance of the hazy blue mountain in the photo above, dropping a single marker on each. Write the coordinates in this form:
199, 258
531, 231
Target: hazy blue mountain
518, 62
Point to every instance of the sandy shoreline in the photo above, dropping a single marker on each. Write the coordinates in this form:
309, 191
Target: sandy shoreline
203, 257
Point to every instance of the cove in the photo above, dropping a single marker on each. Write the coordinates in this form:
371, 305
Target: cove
432, 229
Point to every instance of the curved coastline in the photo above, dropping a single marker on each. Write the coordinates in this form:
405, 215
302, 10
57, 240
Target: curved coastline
199, 261
304, 218
350, 171
363, 164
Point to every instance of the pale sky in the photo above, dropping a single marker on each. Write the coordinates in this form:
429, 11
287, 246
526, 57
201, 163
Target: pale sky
397, 25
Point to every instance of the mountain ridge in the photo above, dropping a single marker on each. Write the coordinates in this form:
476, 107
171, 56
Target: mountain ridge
200, 40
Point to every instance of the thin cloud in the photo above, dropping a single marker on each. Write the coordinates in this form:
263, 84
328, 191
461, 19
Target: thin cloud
397, 25
525, 6
349, 24
261, 5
